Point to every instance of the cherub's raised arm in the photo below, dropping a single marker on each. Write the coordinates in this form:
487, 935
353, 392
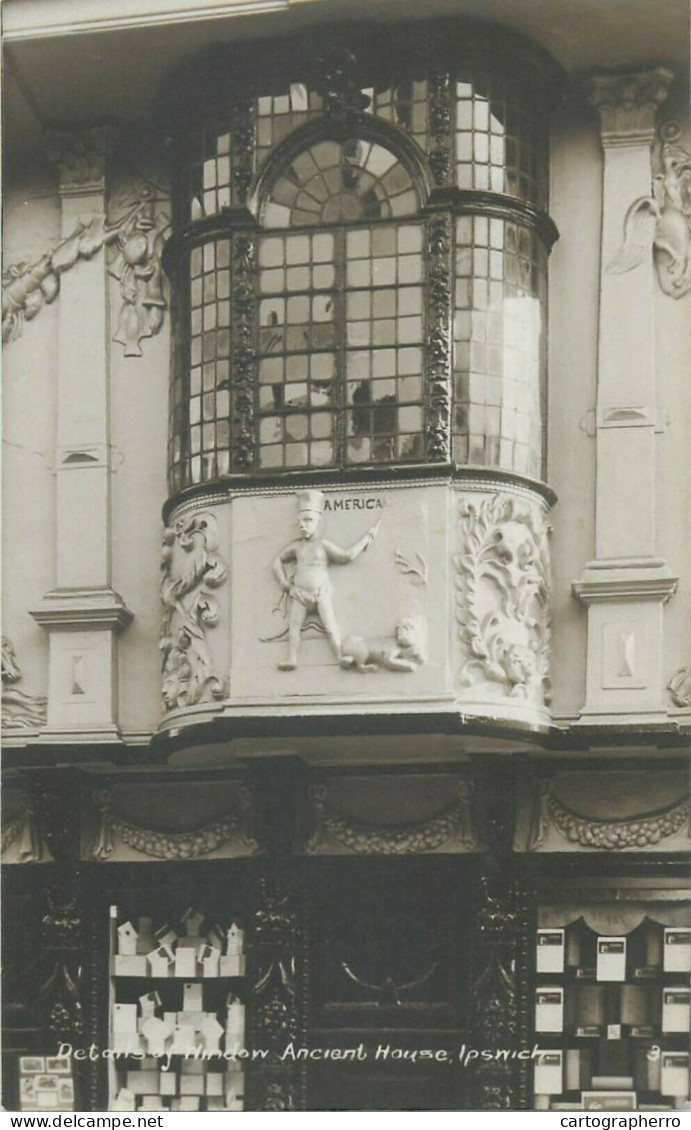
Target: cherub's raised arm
344, 556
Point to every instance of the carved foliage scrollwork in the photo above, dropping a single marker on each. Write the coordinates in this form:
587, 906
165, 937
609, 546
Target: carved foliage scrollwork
633, 833
243, 353
495, 991
679, 687
502, 597
277, 1013
453, 826
243, 148
441, 133
438, 361
189, 610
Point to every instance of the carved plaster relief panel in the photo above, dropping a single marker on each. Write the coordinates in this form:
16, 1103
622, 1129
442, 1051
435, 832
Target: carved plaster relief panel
192, 570
606, 811
20, 711
502, 603
145, 822
340, 593
22, 841
391, 816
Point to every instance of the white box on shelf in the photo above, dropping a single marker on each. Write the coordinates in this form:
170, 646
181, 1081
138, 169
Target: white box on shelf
676, 951
674, 1074
129, 965
611, 959
124, 1100
127, 939
185, 962
209, 957
127, 1043
148, 1003
549, 1008
151, 1102
214, 1083
156, 1032
676, 1009
160, 961
124, 1017
187, 1102
233, 965
143, 1082
184, 1039
215, 1102
169, 1083
235, 939
165, 936
192, 997
550, 951
192, 1084
549, 1074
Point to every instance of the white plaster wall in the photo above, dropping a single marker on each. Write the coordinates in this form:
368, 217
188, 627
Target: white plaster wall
139, 430
576, 196
31, 226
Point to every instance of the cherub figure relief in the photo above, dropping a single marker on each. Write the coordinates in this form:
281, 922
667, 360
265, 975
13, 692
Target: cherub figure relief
670, 233
307, 588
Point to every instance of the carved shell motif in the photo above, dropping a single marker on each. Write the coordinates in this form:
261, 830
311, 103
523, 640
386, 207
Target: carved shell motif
502, 597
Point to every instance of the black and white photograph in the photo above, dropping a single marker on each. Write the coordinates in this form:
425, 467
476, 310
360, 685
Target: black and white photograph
346, 588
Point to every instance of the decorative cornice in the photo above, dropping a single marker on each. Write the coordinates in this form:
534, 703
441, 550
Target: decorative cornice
87, 609
628, 103
81, 158
621, 580
453, 825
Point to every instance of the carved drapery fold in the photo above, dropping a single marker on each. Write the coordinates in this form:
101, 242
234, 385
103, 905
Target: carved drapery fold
190, 609
633, 832
452, 826
438, 360
20, 711
503, 597
136, 237
193, 844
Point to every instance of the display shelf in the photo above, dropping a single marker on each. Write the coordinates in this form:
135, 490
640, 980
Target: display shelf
612, 1017
177, 1031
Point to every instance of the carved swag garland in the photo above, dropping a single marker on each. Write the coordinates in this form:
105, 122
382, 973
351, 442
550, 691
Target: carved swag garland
502, 597
190, 608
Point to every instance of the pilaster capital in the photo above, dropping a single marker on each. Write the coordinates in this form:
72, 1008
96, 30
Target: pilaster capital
81, 158
628, 103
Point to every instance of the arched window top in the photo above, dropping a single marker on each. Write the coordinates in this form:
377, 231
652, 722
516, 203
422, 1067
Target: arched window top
340, 181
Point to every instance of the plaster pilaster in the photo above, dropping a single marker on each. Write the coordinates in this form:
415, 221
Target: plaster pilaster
626, 585
83, 656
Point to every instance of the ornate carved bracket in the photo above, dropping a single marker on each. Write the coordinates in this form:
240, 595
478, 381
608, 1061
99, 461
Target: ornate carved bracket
20, 711
136, 238
338, 86
679, 687
190, 608
81, 158
502, 596
635, 832
438, 361
453, 826
243, 362
441, 133
195, 844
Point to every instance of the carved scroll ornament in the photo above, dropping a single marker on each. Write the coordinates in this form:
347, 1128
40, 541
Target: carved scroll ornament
190, 608
194, 844
20, 711
502, 597
136, 237
662, 221
636, 832
23, 830
450, 826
